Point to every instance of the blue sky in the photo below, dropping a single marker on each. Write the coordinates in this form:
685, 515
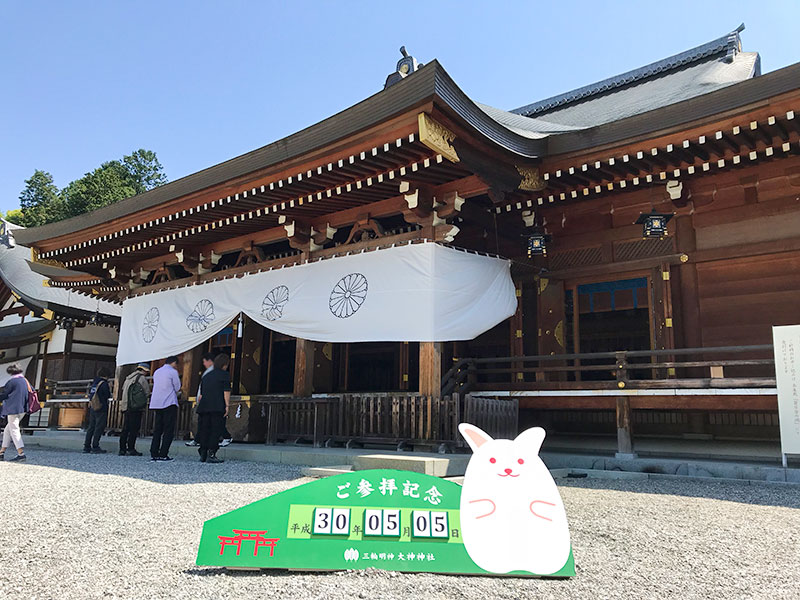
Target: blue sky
201, 82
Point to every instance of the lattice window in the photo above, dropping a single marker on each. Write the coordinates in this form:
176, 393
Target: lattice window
576, 258
624, 251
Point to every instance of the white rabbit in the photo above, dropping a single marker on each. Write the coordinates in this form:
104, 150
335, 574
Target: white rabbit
512, 516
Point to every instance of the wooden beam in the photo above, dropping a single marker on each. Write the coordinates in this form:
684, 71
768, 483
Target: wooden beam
747, 402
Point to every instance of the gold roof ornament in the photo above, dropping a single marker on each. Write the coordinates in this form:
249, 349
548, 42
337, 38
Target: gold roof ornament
437, 137
531, 180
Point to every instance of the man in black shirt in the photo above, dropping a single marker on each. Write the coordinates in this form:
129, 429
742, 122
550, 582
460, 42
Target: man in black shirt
212, 408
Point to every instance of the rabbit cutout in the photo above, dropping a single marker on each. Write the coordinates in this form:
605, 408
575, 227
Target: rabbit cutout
512, 516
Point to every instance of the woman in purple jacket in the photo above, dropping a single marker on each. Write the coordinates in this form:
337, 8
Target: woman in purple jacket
15, 400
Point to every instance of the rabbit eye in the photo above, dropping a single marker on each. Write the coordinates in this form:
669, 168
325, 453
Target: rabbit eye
492, 460
520, 461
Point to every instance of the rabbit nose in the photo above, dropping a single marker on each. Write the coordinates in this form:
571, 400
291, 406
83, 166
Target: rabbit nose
508, 471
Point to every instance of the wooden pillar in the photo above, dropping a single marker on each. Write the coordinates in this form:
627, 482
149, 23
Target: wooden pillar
67, 352
250, 369
304, 368
403, 360
191, 369
270, 341
516, 345
624, 428
430, 368
43, 378
551, 323
344, 368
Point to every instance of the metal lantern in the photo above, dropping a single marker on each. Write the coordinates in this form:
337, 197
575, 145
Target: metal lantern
537, 244
654, 224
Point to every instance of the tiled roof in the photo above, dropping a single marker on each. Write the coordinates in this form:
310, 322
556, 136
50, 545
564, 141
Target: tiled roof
724, 49
18, 276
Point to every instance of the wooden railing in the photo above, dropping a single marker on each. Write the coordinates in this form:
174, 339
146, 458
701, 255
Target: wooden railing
381, 418
713, 367
75, 393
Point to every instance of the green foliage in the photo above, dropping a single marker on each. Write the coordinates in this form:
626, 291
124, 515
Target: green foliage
41, 202
13, 216
109, 183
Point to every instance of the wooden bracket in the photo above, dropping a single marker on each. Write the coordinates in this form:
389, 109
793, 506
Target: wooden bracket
250, 255
320, 238
297, 233
365, 229
419, 203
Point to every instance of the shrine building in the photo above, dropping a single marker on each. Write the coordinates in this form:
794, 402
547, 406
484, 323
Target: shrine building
609, 261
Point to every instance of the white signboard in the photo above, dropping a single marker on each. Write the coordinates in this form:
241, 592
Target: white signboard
787, 374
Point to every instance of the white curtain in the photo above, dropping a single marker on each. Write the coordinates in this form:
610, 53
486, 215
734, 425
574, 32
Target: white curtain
416, 292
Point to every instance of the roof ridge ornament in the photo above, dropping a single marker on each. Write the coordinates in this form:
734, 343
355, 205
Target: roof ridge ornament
405, 66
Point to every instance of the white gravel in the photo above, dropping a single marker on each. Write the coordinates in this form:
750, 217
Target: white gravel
80, 526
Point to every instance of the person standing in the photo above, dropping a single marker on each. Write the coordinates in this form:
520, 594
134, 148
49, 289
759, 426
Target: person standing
99, 393
15, 403
212, 408
208, 365
164, 404
133, 402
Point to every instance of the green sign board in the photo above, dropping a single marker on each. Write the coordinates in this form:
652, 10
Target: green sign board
385, 519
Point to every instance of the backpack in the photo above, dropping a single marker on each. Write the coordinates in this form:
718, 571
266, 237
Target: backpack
94, 400
137, 398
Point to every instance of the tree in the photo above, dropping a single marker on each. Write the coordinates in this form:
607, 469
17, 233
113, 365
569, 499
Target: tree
114, 181
40, 201
109, 183
14, 216
144, 168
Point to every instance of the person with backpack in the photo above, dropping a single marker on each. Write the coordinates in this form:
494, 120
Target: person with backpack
212, 408
99, 393
132, 403
164, 404
15, 404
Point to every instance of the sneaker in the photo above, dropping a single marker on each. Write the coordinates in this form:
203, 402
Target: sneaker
165, 458
19, 457
225, 442
192, 443
133, 453
98, 451
87, 450
213, 459
121, 452
155, 459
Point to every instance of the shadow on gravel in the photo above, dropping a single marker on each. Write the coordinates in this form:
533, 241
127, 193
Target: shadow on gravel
224, 571
764, 494
180, 471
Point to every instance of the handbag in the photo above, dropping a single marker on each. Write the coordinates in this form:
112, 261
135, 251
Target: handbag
33, 400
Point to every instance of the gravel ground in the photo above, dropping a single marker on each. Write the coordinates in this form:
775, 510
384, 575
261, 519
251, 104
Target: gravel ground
80, 526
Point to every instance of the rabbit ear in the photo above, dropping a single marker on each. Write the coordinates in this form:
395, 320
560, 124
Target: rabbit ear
532, 438
475, 436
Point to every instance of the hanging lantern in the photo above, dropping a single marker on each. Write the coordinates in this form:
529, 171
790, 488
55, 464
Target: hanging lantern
654, 224
537, 244
96, 319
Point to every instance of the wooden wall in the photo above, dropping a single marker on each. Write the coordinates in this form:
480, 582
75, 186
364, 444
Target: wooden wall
741, 298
